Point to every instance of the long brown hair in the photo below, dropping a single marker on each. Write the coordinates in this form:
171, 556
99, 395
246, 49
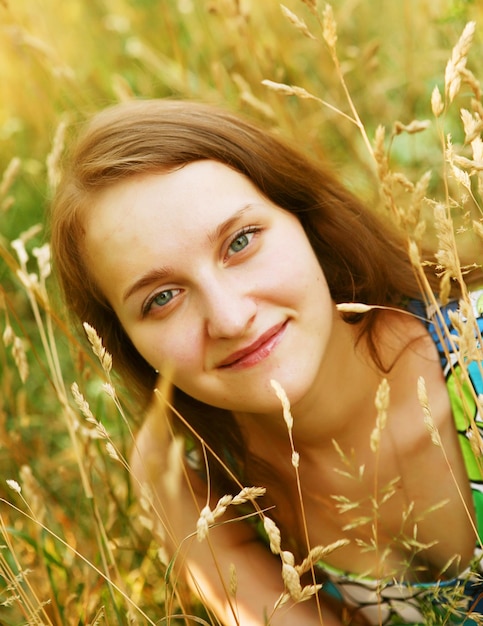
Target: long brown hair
362, 259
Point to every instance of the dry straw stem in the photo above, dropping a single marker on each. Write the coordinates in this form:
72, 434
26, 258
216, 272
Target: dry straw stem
300, 92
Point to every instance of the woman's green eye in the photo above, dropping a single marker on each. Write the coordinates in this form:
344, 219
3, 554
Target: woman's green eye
240, 242
163, 298
160, 300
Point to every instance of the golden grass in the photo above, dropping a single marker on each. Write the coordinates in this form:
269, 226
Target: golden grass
368, 85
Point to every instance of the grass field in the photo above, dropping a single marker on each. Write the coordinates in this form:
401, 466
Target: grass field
74, 549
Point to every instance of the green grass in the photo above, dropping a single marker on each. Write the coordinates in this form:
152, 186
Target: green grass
73, 548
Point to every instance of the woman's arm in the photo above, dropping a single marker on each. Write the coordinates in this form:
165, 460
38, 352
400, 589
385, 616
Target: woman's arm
231, 572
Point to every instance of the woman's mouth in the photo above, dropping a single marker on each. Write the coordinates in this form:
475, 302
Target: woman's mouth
257, 351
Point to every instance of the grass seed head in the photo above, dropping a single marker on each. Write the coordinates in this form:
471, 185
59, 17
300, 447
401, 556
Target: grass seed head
428, 418
297, 22
437, 104
274, 535
382, 405
282, 396
457, 63
248, 493
14, 486
329, 28
96, 343
205, 520
233, 580
9, 176
82, 404
20, 357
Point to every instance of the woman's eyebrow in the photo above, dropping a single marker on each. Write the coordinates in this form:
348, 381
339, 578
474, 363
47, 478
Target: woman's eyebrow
225, 226
147, 279
162, 273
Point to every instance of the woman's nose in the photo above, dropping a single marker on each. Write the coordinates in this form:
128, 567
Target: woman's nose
229, 310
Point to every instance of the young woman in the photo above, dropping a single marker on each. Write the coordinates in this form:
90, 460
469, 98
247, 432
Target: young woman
205, 248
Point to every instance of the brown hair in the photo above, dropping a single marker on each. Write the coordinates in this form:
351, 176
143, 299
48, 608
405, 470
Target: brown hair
362, 259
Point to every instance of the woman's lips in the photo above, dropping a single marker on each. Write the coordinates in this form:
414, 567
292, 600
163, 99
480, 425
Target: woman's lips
256, 351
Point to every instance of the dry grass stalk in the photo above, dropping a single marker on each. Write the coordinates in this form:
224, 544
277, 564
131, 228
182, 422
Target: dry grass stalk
436, 439
478, 228
273, 533
428, 418
472, 125
208, 517
416, 126
53, 158
437, 104
457, 63
297, 22
312, 4
468, 338
8, 178
318, 553
353, 307
382, 406
282, 396
96, 343
10, 339
177, 78
303, 94
447, 254
329, 29
247, 96
34, 493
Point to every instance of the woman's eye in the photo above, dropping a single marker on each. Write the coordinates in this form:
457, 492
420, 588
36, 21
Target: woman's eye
240, 242
160, 299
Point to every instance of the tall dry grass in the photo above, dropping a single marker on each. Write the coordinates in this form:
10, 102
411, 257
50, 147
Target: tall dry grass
364, 87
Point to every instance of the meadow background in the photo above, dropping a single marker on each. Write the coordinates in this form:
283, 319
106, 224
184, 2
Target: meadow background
73, 548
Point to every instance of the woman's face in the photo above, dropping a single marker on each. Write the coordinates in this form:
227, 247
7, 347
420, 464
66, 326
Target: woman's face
213, 283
